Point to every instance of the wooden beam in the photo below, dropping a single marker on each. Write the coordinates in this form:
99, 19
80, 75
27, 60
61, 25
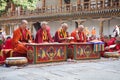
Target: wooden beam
80, 22
44, 1
102, 20
60, 3
78, 1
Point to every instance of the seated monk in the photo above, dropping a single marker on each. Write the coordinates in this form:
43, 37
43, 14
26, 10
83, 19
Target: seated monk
8, 43
61, 35
20, 36
108, 43
43, 34
78, 34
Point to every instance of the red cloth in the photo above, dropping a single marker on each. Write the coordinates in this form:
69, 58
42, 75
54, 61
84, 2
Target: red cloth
110, 42
59, 35
39, 36
2, 60
8, 44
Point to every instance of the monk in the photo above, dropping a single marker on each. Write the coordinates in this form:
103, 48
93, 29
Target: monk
86, 31
21, 36
108, 42
61, 35
43, 34
78, 34
93, 32
8, 43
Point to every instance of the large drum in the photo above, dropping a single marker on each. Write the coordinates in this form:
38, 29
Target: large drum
112, 54
16, 61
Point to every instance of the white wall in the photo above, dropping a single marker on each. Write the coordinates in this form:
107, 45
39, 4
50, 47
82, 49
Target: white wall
51, 2
107, 30
57, 24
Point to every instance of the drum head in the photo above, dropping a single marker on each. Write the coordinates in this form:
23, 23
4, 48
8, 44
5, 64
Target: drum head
15, 58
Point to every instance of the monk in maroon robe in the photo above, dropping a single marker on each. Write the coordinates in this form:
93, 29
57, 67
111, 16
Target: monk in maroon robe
43, 34
79, 35
61, 35
108, 42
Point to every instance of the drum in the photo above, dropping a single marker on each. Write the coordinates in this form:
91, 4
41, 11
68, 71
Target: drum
112, 54
16, 61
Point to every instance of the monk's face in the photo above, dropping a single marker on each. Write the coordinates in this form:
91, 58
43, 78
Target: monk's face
80, 29
65, 28
44, 26
24, 25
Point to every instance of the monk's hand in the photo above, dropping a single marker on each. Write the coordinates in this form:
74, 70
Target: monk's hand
29, 41
62, 38
19, 42
106, 48
118, 51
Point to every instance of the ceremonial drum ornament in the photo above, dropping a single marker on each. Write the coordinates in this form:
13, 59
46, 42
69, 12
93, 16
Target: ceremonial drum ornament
51, 52
111, 54
16, 61
41, 54
87, 51
80, 51
30, 54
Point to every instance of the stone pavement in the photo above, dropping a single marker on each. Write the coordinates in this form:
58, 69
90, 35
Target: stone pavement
100, 69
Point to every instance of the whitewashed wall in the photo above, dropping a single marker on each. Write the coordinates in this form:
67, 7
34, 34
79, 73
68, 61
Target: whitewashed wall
51, 2
107, 28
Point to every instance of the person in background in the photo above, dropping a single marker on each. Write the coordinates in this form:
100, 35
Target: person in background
2, 39
21, 36
61, 35
8, 43
116, 31
3, 32
93, 32
78, 34
108, 42
43, 34
86, 32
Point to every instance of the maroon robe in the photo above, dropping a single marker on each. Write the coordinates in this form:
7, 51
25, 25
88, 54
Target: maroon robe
39, 36
59, 35
110, 42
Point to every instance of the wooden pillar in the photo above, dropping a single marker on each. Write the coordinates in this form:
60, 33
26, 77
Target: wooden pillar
101, 24
79, 22
60, 3
109, 26
78, 1
43, 3
101, 27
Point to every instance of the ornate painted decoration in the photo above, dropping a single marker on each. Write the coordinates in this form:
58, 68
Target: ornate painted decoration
30, 54
85, 51
51, 53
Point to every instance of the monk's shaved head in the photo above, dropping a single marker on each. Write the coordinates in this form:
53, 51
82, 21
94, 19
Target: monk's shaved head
80, 28
23, 24
64, 26
44, 25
